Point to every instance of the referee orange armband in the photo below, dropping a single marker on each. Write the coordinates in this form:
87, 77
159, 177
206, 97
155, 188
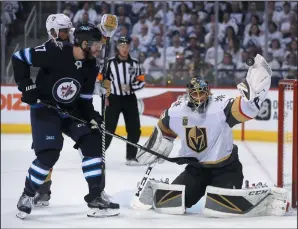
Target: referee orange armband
141, 77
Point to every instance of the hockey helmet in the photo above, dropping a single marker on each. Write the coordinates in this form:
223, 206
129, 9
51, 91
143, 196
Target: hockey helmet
87, 32
198, 92
123, 40
57, 22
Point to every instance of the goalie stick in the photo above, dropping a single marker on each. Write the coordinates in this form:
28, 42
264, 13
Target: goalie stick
135, 202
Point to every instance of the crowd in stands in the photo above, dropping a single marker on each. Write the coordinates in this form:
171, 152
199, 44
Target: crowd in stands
190, 32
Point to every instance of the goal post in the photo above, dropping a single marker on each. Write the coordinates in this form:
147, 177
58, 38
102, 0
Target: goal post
288, 137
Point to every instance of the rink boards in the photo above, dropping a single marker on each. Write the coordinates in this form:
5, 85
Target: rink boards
15, 115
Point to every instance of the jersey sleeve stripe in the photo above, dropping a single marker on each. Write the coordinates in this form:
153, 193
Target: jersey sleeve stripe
28, 55
86, 96
237, 112
18, 55
166, 131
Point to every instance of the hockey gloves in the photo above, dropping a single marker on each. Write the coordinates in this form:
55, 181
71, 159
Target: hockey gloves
29, 91
95, 123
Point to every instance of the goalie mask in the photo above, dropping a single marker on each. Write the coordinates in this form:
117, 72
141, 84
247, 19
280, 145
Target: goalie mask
92, 35
198, 94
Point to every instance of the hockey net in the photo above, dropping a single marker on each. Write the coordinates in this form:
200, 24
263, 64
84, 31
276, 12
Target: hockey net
287, 137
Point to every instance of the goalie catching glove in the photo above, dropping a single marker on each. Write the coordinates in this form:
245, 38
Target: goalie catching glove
158, 143
108, 25
257, 83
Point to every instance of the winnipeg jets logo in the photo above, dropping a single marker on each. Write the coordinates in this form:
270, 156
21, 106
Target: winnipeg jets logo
78, 64
65, 90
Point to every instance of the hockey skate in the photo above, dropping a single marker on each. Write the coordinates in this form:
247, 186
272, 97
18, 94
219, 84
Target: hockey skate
132, 162
25, 205
101, 206
43, 195
42, 199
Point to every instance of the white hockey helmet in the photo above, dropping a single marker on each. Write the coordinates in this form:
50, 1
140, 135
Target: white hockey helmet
57, 22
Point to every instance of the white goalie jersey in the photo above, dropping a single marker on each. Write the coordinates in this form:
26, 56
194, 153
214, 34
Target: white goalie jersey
206, 136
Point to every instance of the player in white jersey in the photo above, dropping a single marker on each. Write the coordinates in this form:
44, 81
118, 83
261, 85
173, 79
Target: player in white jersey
203, 122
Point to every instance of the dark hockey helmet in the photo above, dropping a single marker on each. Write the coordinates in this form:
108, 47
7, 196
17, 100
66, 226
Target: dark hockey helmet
123, 40
198, 93
87, 32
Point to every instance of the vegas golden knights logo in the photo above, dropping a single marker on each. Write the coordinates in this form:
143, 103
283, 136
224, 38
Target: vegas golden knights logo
196, 138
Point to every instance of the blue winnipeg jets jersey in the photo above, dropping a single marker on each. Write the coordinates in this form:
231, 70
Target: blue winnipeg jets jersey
61, 80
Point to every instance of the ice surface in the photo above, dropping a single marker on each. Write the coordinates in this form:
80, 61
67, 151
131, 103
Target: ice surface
68, 209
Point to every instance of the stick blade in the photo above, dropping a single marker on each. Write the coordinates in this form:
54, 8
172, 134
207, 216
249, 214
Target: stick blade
138, 205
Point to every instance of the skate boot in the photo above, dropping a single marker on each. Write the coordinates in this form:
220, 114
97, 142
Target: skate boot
101, 206
42, 199
25, 205
43, 195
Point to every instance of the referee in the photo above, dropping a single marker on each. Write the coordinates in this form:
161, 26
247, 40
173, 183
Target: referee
126, 77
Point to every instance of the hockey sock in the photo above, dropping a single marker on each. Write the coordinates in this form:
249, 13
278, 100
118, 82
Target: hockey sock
92, 170
37, 174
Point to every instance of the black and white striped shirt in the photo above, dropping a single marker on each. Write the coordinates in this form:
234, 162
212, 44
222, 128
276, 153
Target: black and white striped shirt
127, 72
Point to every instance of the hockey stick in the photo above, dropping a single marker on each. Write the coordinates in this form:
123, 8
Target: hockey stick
103, 109
178, 160
135, 202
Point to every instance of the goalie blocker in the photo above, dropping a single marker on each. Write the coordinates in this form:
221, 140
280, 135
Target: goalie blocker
220, 202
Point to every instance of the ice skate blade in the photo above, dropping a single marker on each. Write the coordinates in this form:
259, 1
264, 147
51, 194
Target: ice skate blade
100, 213
138, 205
133, 163
21, 215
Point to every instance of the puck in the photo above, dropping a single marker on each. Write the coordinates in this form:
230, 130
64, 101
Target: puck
250, 61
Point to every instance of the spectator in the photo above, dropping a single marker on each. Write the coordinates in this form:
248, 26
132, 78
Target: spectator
153, 66
273, 32
202, 13
142, 57
172, 51
177, 24
183, 10
226, 71
276, 50
145, 38
292, 36
286, 26
169, 15
290, 66
136, 30
192, 22
86, 9
241, 67
210, 53
229, 35
158, 43
253, 36
292, 48
200, 33
253, 11
135, 47
233, 49
227, 22
237, 12
179, 71
193, 49
104, 9
68, 11
211, 34
121, 23
275, 66
285, 15
157, 26
254, 20
150, 11
121, 12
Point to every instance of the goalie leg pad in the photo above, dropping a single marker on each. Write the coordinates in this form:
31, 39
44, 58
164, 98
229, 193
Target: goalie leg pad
264, 201
168, 198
